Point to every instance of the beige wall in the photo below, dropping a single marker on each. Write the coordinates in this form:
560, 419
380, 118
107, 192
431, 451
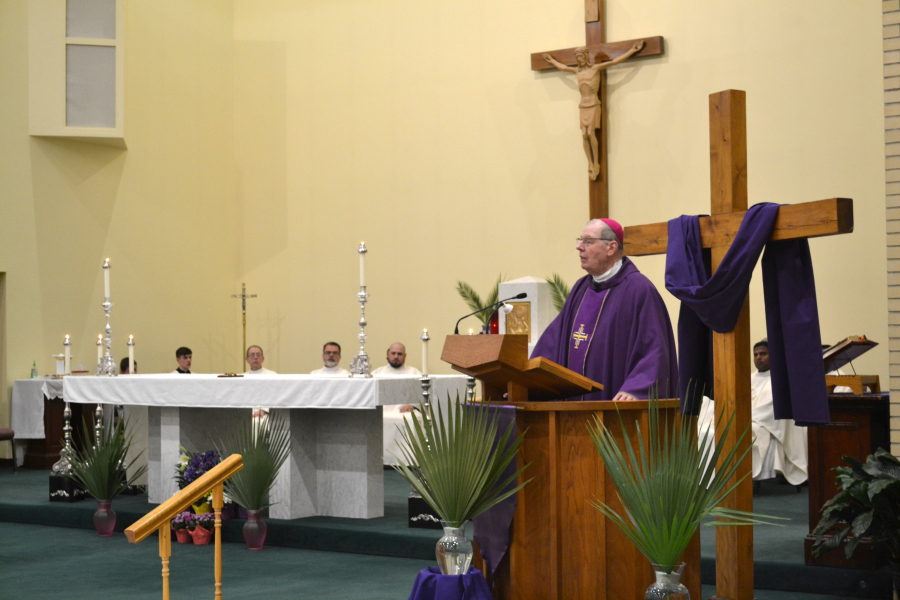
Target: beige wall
419, 128
266, 139
163, 210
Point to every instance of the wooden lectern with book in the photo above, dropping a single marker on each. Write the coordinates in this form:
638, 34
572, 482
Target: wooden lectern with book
842, 354
561, 546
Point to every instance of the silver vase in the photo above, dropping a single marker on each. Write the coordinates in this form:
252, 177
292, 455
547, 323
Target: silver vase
454, 551
668, 586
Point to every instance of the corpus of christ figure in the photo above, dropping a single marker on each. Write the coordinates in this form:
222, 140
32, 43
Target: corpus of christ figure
587, 74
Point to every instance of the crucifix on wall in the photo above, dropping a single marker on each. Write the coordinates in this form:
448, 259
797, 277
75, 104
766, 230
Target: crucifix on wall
589, 63
731, 351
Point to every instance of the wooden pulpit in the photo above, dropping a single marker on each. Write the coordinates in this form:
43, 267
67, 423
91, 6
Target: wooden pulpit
562, 547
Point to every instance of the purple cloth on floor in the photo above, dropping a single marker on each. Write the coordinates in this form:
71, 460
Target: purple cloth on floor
715, 302
431, 585
632, 347
490, 529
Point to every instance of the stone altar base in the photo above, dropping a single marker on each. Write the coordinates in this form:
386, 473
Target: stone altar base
335, 466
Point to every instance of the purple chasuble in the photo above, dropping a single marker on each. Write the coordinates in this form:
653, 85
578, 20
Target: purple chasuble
627, 346
715, 302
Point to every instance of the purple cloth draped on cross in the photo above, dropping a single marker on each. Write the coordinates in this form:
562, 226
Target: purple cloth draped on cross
715, 302
431, 585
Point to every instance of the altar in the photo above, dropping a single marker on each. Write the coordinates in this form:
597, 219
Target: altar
335, 424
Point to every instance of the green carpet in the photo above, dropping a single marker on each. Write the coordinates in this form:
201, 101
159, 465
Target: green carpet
39, 562
778, 550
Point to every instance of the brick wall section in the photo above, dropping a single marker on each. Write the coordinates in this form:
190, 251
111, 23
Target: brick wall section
891, 46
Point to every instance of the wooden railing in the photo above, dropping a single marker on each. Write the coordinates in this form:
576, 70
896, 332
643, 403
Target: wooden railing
160, 518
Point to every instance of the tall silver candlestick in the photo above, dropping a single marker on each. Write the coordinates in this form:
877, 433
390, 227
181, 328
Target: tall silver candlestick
107, 365
63, 466
426, 380
360, 364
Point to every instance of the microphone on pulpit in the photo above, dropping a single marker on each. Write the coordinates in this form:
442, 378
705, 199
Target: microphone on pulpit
495, 305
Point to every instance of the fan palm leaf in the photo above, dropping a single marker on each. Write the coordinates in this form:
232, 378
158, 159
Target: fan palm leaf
670, 484
100, 468
264, 444
450, 458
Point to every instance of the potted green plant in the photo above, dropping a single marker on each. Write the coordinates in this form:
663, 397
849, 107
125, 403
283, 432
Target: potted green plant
100, 469
867, 506
449, 459
667, 489
264, 445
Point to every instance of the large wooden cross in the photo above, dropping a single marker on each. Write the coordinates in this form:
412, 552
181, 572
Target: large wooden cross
595, 36
731, 351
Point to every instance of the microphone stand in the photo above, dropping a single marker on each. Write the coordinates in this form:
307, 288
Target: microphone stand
494, 305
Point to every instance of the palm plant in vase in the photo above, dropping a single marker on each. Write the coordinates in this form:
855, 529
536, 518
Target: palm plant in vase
451, 461
101, 470
264, 445
668, 488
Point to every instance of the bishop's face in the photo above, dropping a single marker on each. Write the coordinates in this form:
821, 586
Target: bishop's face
597, 256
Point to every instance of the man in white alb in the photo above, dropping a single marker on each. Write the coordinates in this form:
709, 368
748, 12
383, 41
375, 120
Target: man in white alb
392, 413
331, 359
779, 446
255, 360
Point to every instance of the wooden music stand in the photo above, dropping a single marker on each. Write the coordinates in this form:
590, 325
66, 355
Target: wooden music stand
562, 547
842, 354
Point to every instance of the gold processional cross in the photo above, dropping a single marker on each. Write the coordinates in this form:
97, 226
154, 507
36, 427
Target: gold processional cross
731, 351
595, 42
243, 296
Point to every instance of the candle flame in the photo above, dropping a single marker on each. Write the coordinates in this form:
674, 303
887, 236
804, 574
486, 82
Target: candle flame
470, 331
99, 337
67, 338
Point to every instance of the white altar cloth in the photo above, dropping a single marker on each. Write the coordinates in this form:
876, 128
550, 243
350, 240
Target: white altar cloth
272, 391
27, 418
335, 422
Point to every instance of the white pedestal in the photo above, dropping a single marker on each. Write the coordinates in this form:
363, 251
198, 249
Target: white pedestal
334, 468
542, 312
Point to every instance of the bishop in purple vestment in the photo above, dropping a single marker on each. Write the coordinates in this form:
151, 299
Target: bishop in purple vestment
614, 327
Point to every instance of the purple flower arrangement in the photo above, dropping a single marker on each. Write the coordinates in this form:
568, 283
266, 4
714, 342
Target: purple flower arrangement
190, 521
206, 521
199, 464
183, 520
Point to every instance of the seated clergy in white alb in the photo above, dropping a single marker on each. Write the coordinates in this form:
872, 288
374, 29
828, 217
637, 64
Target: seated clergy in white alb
331, 360
393, 413
779, 446
255, 360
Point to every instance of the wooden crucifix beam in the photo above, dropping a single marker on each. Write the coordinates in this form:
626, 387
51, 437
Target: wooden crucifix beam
809, 219
595, 42
728, 182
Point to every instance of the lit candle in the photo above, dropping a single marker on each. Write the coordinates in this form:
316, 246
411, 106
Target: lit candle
425, 339
67, 369
106, 278
99, 347
131, 355
471, 331
362, 264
